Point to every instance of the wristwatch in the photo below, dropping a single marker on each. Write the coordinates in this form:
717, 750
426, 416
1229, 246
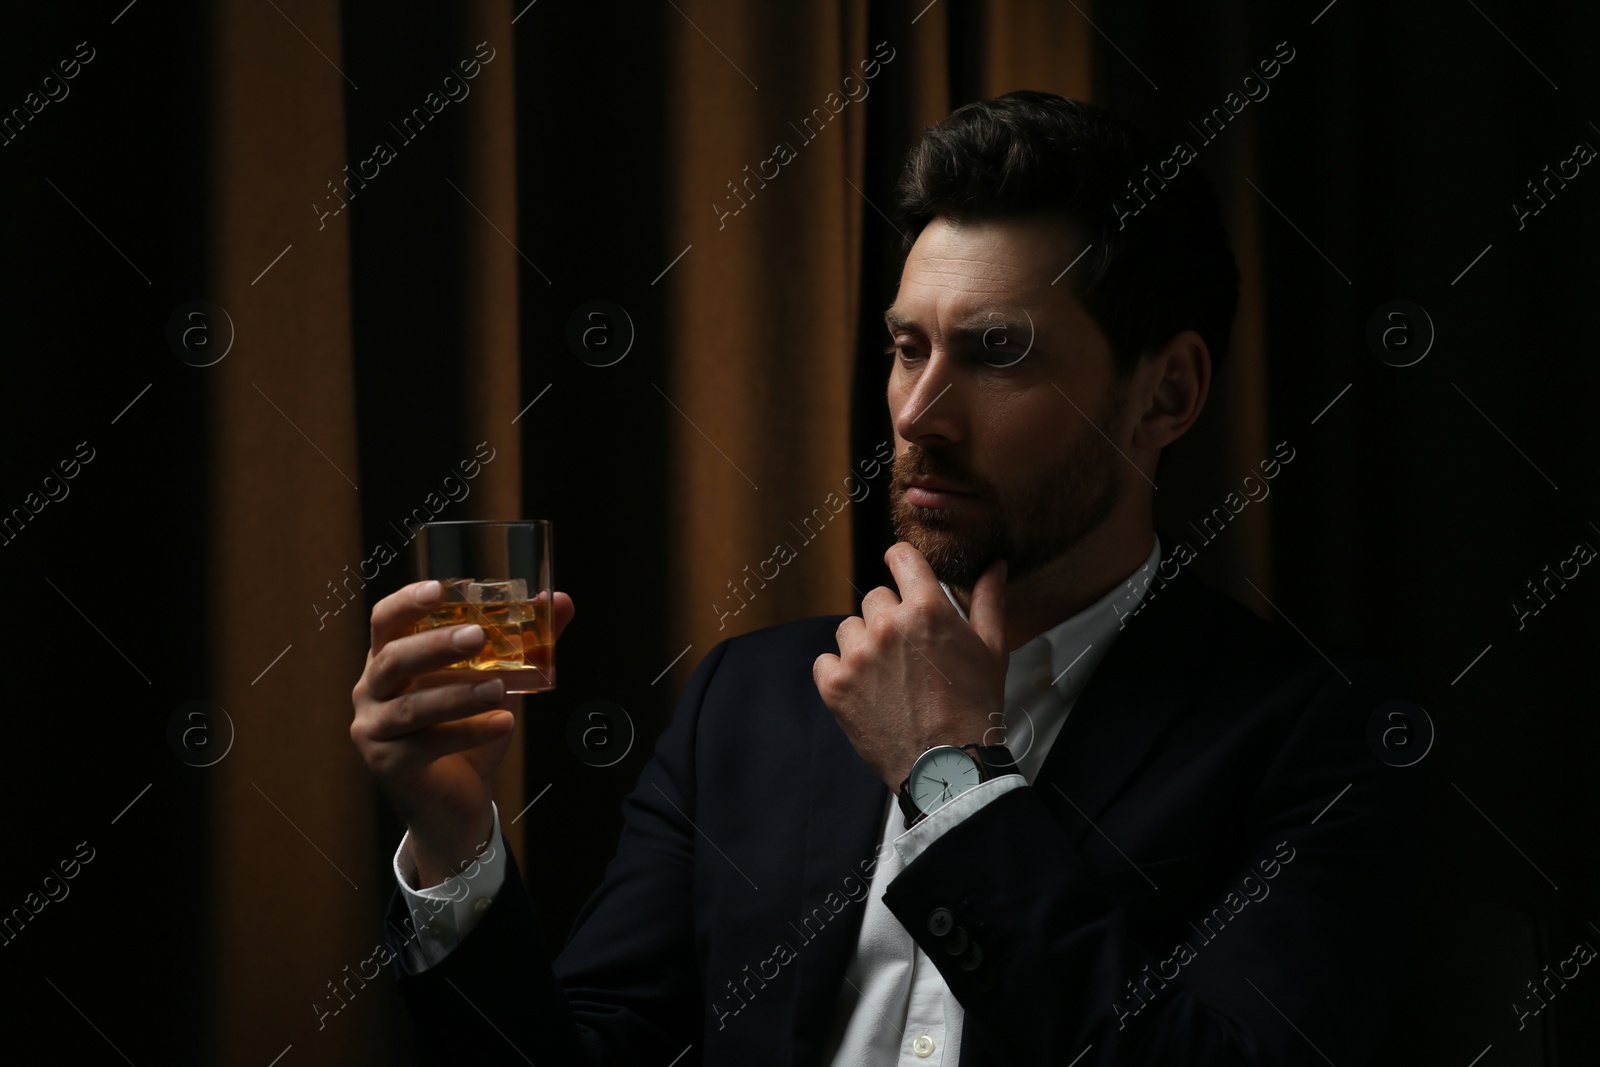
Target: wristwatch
944, 772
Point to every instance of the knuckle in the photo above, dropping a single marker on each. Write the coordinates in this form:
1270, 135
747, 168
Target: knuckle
381, 760
403, 711
922, 614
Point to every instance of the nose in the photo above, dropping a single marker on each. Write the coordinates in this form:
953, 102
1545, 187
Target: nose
930, 400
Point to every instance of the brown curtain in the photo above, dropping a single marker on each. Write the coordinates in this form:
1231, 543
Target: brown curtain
292, 816
761, 310
299, 876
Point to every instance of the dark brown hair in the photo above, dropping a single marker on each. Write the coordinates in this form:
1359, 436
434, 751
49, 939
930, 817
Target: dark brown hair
1159, 261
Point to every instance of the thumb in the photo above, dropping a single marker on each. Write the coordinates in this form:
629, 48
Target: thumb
988, 612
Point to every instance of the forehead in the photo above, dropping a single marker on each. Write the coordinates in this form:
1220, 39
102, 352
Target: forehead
957, 269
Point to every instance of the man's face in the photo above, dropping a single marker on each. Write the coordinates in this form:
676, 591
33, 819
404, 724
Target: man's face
997, 376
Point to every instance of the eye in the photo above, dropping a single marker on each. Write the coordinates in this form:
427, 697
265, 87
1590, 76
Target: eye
1000, 355
1004, 343
997, 348
906, 352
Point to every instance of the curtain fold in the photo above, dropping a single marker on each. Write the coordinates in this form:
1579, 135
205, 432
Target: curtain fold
765, 128
330, 387
491, 336
292, 890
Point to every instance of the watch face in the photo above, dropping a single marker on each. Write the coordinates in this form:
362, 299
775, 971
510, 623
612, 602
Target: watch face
940, 775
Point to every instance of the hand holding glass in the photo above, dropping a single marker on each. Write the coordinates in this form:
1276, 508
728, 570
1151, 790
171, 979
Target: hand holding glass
498, 575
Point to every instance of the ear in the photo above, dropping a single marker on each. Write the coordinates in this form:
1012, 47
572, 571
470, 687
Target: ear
1175, 381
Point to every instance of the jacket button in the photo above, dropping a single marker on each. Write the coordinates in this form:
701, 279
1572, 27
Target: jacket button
955, 942
971, 958
940, 921
983, 981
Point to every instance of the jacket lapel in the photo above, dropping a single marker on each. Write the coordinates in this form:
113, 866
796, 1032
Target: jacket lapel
843, 824
1130, 701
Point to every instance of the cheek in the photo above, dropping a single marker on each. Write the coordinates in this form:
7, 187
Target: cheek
899, 389
1018, 437
1020, 428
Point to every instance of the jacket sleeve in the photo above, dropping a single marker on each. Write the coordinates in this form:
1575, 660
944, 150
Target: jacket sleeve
625, 989
1295, 955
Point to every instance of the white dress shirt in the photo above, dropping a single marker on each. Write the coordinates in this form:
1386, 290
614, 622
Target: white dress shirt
894, 1007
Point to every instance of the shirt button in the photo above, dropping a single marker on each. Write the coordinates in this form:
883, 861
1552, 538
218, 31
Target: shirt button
437, 930
482, 905
922, 1045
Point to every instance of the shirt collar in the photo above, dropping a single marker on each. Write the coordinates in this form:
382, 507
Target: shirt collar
1078, 643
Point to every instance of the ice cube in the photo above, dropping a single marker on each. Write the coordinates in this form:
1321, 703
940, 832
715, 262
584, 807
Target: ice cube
455, 589
497, 592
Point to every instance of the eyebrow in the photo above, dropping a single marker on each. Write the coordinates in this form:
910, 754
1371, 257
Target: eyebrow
974, 324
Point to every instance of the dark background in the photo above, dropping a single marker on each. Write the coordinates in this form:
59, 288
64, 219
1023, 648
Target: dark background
1418, 505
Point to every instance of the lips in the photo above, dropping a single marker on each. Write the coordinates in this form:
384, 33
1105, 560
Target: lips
933, 493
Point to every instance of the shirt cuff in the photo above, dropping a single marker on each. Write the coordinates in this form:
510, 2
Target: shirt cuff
911, 844
442, 915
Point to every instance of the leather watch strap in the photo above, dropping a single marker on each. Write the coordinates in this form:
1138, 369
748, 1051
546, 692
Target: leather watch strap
993, 760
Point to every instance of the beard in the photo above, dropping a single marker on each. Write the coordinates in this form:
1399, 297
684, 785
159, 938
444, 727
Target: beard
1029, 522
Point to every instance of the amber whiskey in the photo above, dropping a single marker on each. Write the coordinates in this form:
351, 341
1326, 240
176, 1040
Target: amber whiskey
520, 649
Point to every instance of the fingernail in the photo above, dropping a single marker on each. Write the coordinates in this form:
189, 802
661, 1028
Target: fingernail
468, 638
427, 593
493, 689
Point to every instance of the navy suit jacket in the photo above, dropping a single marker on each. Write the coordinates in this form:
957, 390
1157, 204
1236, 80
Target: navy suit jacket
1213, 866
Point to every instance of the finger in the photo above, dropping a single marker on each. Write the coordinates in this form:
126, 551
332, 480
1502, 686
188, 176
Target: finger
395, 614
400, 661
913, 575
850, 634
988, 612
877, 600
822, 669
422, 709
562, 613
458, 735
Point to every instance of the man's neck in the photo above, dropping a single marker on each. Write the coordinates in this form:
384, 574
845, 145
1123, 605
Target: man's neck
1070, 583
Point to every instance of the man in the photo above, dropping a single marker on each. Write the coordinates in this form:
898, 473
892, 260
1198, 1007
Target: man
1053, 802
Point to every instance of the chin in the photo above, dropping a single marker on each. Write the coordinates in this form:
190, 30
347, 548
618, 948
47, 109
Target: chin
953, 563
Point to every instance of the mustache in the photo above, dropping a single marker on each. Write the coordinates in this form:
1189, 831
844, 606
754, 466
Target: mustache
919, 463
